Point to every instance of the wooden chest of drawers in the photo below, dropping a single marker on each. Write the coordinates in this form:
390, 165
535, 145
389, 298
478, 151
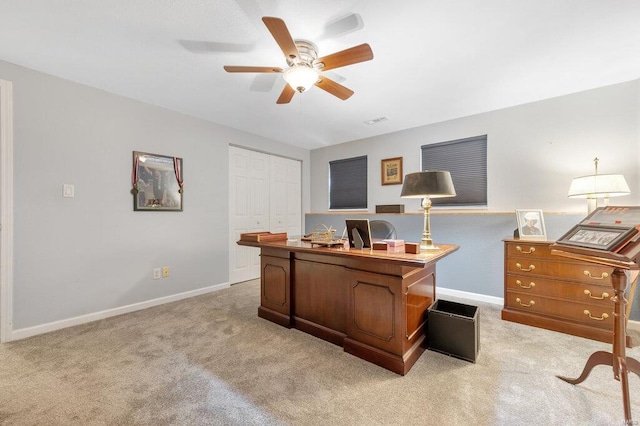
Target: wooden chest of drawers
556, 293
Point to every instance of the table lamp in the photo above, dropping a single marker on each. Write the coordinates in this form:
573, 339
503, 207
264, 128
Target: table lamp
426, 185
594, 187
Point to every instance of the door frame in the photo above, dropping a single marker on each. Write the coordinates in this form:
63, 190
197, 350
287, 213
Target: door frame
6, 210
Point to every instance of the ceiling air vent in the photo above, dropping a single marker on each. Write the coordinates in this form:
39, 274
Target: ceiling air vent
376, 120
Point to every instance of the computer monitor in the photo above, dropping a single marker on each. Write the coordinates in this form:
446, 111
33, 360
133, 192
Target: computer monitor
358, 233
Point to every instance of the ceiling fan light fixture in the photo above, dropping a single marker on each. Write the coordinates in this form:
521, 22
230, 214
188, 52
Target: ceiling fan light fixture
301, 77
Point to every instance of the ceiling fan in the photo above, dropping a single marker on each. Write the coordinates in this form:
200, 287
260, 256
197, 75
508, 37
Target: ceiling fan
305, 68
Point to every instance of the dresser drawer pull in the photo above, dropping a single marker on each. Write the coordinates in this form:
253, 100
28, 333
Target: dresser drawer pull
527, 305
531, 250
531, 267
604, 295
601, 277
603, 317
531, 284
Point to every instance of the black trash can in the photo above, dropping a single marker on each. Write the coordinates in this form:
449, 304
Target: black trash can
453, 329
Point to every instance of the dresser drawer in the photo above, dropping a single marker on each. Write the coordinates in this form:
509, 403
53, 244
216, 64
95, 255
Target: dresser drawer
599, 316
595, 294
580, 272
528, 249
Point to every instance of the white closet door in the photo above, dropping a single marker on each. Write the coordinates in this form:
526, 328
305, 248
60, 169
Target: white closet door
285, 196
248, 209
294, 197
278, 194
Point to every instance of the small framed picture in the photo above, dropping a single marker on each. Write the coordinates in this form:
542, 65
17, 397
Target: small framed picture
606, 238
531, 225
391, 169
157, 182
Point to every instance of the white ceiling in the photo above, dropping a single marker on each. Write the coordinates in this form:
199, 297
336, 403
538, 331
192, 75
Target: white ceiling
434, 60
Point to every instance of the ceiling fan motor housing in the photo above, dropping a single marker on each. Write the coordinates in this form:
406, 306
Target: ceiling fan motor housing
307, 53
302, 73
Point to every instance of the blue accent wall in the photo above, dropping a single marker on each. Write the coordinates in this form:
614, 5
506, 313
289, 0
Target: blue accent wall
478, 266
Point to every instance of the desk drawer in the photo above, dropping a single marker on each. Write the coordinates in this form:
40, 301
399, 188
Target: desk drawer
599, 316
571, 291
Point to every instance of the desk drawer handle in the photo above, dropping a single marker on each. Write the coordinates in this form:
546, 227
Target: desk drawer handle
531, 250
531, 267
601, 277
531, 284
604, 295
603, 317
526, 305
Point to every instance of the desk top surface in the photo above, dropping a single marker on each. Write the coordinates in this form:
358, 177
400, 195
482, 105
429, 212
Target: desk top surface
423, 258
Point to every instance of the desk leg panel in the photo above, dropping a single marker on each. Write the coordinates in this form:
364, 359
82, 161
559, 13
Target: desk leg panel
387, 316
275, 290
375, 311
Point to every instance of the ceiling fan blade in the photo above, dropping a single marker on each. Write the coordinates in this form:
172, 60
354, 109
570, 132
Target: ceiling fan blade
286, 95
334, 88
280, 33
234, 68
349, 56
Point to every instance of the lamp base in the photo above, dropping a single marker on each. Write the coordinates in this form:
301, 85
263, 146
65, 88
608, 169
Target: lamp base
427, 244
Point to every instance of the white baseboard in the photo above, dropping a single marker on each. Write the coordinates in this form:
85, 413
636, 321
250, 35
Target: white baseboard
440, 291
23, 333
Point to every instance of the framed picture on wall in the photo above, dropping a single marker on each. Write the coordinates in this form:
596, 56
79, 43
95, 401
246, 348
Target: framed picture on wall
157, 182
391, 169
531, 225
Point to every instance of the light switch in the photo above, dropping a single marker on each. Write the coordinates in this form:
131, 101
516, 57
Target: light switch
68, 190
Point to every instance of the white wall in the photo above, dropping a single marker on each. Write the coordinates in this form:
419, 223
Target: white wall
75, 257
534, 150
92, 254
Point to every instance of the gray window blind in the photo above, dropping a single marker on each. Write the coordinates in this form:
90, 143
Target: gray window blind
348, 183
466, 160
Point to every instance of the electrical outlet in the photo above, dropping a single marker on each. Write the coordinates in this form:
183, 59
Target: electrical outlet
165, 271
157, 273
68, 190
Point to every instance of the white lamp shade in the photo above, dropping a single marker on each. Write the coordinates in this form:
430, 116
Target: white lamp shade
301, 77
598, 186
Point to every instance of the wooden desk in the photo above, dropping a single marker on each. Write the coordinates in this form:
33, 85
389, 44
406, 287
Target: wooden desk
370, 302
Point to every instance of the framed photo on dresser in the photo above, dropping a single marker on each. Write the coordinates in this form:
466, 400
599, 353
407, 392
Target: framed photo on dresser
531, 225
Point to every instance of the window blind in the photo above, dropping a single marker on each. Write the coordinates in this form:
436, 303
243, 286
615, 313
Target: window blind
466, 160
348, 183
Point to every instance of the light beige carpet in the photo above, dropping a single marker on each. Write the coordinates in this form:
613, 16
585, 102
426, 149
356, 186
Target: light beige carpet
210, 360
